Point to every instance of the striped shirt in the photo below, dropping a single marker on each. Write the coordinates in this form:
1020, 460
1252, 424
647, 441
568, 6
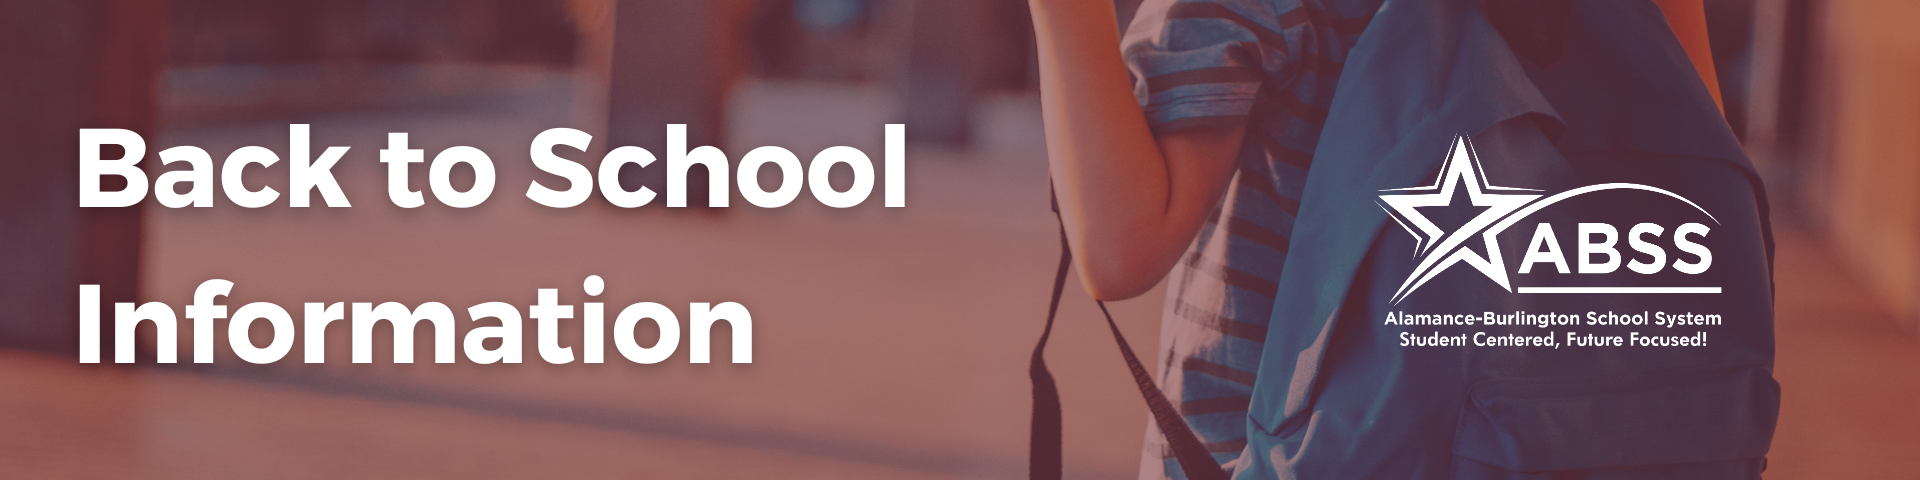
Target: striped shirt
1270, 65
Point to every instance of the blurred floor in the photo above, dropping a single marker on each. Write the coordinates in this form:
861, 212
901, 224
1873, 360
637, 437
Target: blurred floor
1848, 372
64, 420
889, 343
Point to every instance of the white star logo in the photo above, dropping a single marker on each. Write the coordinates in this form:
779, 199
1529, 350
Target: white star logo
1437, 249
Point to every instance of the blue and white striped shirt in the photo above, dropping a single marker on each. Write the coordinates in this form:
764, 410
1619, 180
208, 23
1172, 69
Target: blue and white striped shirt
1270, 65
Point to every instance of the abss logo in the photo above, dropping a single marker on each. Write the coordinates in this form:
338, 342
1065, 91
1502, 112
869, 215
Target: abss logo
1437, 249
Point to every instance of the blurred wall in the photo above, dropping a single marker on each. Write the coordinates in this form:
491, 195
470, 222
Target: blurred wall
673, 62
246, 59
369, 31
1864, 180
70, 65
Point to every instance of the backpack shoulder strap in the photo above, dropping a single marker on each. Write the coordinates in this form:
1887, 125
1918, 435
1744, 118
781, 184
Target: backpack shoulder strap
1044, 450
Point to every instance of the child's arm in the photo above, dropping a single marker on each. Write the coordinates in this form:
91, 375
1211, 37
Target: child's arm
1131, 202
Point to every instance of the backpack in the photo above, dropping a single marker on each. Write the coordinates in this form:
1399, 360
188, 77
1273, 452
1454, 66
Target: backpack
1424, 327
1598, 305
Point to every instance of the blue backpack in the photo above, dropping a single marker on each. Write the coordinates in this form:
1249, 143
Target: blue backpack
1529, 247
1526, 249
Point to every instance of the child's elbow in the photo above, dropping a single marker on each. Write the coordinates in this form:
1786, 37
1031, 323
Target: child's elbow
1119, 277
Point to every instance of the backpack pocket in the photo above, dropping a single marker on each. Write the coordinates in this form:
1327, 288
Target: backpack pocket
1721, 419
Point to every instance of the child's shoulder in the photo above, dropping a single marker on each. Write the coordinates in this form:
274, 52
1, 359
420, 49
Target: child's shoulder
1273, 14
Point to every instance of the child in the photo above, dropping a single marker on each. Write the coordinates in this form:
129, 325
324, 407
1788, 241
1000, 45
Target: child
1199, 164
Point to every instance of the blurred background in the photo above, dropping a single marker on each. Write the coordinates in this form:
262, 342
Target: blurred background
888, 342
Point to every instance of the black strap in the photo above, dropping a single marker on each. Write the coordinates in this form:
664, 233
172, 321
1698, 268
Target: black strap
1044, 454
